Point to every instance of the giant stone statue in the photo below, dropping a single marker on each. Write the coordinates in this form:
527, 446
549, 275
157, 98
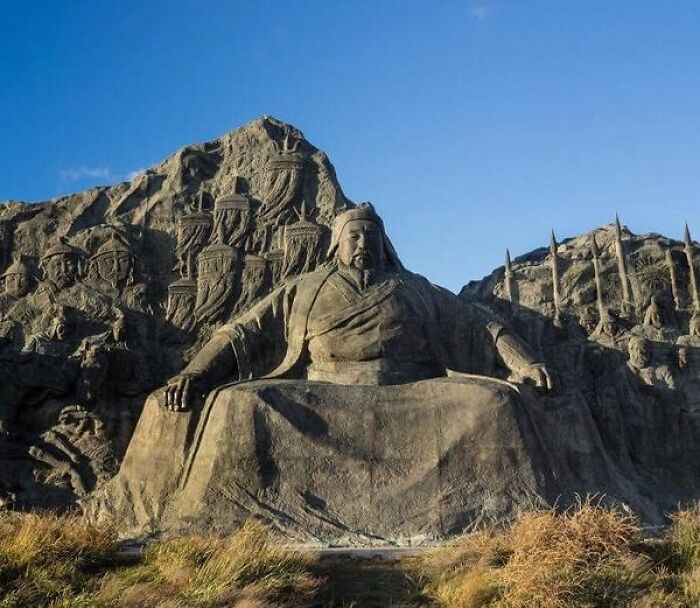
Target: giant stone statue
365, 407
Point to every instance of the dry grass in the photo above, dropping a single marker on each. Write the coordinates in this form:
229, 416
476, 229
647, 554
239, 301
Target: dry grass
46, 559
246, 569
49, 560
590, 556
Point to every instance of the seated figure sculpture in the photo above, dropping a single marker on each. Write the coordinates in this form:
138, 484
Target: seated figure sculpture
345, 403
363, 320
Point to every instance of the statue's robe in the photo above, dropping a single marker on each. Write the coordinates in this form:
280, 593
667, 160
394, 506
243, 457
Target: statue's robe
353, 428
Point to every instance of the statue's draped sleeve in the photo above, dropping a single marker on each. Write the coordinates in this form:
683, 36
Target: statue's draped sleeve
470, 338
259, 338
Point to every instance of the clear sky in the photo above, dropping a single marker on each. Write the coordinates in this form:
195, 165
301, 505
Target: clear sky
472, 125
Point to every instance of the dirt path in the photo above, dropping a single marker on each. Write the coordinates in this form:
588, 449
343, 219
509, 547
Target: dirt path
367, 578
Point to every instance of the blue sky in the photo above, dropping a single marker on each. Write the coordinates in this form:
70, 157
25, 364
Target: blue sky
472, 125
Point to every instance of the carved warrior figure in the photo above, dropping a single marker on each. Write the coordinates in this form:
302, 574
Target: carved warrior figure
233, 218
17, 279
215, 282
302, 246
254, 280
192, 233
182, 299
60, 265
284, 181
360, 320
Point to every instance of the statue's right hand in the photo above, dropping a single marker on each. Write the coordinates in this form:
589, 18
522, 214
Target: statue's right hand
178, 393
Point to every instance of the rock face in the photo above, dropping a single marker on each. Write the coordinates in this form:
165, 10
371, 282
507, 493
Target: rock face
615, 316
106, 293
354, 405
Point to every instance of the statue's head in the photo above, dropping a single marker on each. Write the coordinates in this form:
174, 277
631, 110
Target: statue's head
683, 358
359, 240
17, 279
60, 264
114, 262
639, 352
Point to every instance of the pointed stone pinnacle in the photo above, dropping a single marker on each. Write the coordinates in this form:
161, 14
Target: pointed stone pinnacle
507, 260
594, 246
687, 239
618, 227
553, 243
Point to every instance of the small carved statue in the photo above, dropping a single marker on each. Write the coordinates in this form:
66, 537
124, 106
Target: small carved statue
302, 246
182, 298
253, 281
192, 233
233, 217
653, 316
215, 282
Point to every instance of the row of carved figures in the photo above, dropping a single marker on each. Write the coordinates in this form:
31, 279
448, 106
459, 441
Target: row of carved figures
62, 265
225, 262
627, 304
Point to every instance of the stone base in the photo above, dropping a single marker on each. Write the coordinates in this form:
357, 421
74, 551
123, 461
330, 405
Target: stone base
333, 463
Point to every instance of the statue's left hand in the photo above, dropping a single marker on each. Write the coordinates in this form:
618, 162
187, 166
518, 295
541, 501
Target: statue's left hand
539, 374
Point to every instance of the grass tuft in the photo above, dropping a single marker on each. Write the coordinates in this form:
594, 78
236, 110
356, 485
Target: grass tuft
590, 556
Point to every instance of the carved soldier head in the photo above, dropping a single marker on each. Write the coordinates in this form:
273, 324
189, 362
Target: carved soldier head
60, 264
359, 240
18, 279
639, 352
114, 262
683, 358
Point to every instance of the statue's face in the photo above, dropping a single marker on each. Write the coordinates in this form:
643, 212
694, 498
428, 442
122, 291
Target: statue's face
361, 245
17, 285
683, 358
61, 270
114, 266
639, 353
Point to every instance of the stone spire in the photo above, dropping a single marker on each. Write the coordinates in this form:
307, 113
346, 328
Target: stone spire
690, 254
508, 278
674, 279
556, 282
598, 277
622, 267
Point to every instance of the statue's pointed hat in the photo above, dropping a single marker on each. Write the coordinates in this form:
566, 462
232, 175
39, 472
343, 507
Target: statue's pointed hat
363, 211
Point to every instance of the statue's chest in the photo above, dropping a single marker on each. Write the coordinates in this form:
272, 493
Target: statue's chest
392, 327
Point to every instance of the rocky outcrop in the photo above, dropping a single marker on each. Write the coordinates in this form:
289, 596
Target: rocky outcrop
107, 292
